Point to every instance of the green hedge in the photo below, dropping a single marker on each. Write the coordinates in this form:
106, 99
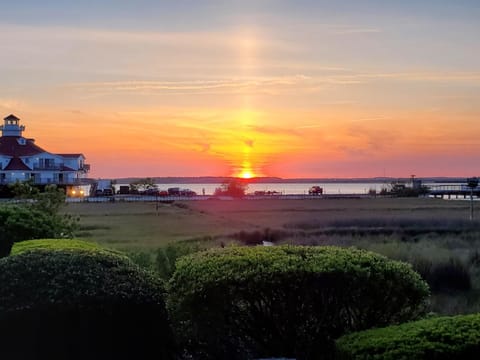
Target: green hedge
80, 304
293, 301
56, 244
441, 338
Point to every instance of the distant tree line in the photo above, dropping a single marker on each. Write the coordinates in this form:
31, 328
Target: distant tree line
402, 190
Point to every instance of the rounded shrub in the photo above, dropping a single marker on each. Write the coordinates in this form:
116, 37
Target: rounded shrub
81, 304
290, 301
57, 244
441, 338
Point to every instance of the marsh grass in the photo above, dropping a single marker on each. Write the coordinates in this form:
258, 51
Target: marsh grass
433, 235
257, 237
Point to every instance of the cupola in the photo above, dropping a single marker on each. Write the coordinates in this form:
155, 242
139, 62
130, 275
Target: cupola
11, 126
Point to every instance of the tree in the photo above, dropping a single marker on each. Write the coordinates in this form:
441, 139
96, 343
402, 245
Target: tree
35, 215
397, 189
232, 187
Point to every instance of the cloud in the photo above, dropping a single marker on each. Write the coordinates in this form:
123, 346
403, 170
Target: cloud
274, 130
446, 76
233, 85
310, 126
373, 118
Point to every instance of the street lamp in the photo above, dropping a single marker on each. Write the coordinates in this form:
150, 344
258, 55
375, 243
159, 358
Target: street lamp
472, 183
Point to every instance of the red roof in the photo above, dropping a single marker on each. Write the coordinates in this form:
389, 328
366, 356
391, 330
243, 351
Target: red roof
9, 146
17, 164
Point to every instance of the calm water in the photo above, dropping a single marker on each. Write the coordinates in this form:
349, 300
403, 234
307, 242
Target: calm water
284, 188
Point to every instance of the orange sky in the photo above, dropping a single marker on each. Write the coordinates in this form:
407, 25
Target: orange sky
287, 89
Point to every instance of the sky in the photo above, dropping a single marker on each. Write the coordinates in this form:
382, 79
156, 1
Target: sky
301, 88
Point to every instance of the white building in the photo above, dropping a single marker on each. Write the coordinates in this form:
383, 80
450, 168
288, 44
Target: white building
21, 159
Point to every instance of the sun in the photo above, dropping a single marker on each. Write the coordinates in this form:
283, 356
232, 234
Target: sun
246, 174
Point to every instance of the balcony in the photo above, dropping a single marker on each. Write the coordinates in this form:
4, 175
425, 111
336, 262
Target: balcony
58, 181
47, 167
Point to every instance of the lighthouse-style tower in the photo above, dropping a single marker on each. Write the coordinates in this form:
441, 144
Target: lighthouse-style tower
11, 126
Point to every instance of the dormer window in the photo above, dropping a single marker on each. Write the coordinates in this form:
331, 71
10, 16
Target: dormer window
22, 141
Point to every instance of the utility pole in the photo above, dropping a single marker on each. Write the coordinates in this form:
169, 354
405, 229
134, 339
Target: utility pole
472, 184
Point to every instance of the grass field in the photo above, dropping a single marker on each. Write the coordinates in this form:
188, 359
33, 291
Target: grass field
143, 225
434, 235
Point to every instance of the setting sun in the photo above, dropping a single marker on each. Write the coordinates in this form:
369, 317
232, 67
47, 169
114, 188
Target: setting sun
246, 174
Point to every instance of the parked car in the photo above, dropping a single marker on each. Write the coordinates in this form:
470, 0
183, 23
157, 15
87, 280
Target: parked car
174, 191
107, 192
151, 192
76, 193
187, 192
124, 189
315, 190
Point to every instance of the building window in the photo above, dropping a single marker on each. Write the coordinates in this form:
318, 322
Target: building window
46, 163
49, 163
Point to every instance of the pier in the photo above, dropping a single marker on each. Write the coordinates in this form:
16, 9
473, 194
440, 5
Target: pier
454, 190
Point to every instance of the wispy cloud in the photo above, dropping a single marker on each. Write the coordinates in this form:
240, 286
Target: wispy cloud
449, 76
373, 118
195, 86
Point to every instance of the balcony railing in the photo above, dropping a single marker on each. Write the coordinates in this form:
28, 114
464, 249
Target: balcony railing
47, 167
47, 181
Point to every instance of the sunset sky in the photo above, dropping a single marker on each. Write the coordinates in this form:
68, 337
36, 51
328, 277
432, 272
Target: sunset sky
300, 88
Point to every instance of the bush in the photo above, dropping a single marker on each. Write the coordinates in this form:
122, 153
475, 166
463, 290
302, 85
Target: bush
168, 255
57, 244
144, 259
293, 301
18, 223
36, 215
439, 338
80, 304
